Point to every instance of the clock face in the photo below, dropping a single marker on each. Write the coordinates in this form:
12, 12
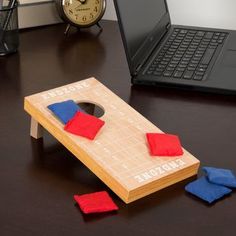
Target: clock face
83, 12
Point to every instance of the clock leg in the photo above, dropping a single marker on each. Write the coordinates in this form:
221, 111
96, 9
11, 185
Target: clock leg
99, 26
67, 29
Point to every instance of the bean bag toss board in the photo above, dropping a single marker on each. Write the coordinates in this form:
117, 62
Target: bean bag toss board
119, 155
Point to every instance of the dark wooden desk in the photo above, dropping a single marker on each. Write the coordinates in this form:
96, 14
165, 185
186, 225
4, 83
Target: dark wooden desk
38, 178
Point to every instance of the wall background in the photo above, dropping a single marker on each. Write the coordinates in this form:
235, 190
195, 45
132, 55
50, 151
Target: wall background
211, 13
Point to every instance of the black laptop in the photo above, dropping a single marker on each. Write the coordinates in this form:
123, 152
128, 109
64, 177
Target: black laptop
160, 53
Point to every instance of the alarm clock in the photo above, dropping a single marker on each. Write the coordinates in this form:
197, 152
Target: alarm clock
81, 13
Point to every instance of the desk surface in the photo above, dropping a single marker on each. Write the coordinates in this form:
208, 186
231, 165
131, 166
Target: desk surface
39, 178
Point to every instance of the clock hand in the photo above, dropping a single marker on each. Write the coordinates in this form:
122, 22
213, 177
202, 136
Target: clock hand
81, 3
77, 8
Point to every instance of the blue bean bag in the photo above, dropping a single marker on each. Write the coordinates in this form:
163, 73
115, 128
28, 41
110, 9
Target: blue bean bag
64, 110
207, 191
220, 176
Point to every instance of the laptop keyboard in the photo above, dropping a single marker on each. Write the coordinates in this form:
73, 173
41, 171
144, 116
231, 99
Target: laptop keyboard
186, 54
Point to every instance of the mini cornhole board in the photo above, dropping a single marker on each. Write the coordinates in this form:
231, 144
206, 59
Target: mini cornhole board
119, 155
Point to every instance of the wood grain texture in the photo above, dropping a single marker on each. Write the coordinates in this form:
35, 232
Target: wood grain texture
119, 155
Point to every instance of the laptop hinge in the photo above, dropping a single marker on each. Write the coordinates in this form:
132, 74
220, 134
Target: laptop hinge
168, 26
136, 72
137, 69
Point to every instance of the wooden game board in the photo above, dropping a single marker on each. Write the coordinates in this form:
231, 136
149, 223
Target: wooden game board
119, 155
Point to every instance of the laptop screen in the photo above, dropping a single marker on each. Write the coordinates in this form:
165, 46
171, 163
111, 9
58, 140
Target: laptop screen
139, 18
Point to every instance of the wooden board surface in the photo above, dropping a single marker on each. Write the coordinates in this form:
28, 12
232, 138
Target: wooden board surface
119, 155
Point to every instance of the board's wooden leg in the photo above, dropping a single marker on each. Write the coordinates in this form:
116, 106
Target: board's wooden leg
36, 130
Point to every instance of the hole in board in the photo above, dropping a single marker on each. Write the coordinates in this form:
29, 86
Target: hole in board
92, 109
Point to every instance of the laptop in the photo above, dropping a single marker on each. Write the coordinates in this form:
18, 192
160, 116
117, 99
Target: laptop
159, 53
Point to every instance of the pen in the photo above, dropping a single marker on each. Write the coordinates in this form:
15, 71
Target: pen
6, 22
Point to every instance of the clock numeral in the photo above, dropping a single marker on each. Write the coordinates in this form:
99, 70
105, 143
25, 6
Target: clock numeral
67, 3
96, 9
84, 18
91, 16
70, 12
97, 1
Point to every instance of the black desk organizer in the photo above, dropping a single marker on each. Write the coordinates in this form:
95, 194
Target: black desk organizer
9, 37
